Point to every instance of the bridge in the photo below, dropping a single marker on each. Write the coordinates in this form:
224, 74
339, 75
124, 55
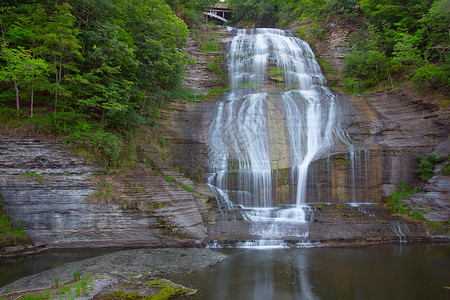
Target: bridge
219, 12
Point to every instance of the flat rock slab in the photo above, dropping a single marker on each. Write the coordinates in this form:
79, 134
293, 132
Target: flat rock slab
112, 270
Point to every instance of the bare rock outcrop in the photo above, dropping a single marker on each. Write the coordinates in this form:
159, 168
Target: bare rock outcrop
48, 187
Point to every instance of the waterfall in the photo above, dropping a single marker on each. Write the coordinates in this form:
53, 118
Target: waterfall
278, 116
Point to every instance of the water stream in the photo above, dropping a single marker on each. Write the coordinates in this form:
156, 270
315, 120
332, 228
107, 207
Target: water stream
277, 119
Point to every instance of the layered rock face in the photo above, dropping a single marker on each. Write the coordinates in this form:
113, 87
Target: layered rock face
386, 129
49, 188
390, 141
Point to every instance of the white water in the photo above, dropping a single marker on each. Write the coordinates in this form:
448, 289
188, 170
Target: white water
396, 228
244, 160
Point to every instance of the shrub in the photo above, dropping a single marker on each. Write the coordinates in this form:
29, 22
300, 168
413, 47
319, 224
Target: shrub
403, 191
9, 113
10, 235
64, 122
76, 275
365, 68
446, 170
430, 77
426, 165
212, 46
106, 143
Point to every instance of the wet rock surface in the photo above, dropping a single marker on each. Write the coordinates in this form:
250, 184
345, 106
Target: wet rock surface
386, 129
364, 225
126, 271
434, 202
173, 205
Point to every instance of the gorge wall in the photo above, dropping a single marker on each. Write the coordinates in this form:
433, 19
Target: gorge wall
169, 203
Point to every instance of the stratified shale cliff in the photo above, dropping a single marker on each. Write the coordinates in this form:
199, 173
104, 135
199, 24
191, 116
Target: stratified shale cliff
54, 191
49, 188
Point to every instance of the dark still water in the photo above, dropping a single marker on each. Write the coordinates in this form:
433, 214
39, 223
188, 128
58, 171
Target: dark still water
419, 271
393, 272
12, 269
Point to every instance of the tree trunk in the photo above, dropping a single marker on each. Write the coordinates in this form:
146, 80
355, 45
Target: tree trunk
390, 79
58, 80
56, 92
373, 73
103, 117
17, 94
32, 102
143, 105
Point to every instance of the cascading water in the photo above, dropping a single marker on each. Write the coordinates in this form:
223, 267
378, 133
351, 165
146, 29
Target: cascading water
277, 118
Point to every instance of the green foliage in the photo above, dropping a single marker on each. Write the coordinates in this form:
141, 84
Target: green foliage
62, 123
365, 68
10, 115
426, 165
34, 175
212, 46
208, 41
413, 38
418, 214
34, 297
406, 52
100, 67
64, 291
10, 235
446, 170
186, 94
216, 66
152, 205
431, 77
106, 192
218, 91
168, 178
169, 289
162, 141
108, 143
187, 188
343, 8
403, 191
76, 275
22, 69
191, 11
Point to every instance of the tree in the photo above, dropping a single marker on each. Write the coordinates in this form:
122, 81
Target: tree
406, 51
106, 91
436, 24
22, 69
61, 46
106, 59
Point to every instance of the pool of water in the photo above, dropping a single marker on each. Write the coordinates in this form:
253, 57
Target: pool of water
406, 271
12, 269
388, 272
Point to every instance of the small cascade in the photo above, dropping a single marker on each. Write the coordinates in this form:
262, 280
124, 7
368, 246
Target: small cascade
272, 223
262, 244
277, 119
397, 230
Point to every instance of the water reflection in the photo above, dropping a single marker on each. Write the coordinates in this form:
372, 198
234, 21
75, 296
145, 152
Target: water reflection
12, 269
389, 272
394, 272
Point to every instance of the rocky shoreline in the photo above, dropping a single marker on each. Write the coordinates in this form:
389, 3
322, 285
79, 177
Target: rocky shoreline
128, 271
